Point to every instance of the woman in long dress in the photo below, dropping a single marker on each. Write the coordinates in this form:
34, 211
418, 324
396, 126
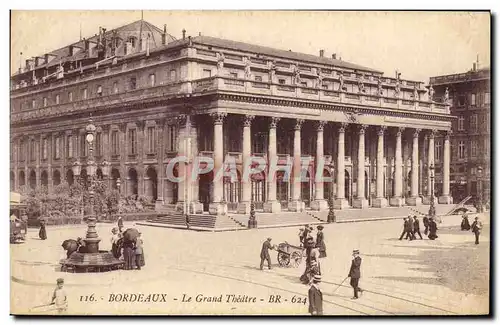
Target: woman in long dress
432, 229
139, 252
42, 233
128, 255
465, 223
115, 249
320, 242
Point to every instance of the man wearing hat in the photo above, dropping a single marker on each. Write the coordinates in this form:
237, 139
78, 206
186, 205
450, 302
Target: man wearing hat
59, 297
264, 253
315, 296
320, 242
477, 225
416, 228
355, 273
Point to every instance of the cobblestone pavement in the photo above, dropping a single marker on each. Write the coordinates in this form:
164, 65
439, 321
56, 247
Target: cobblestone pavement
447, 276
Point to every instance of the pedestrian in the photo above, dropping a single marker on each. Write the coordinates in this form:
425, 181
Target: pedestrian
477, 225
24, 219
355, 273
426, 225
301, 237
409, 229
264, 253
465, 225
416, 228
315, 297
120, 224
139, 252
42, 233
59, 297
405, 229
432, 229
306, 234
320, 242
128, 254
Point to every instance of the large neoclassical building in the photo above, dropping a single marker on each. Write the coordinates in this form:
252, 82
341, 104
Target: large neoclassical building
148, 93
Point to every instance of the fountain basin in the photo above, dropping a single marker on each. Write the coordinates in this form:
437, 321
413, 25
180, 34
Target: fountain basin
102, 261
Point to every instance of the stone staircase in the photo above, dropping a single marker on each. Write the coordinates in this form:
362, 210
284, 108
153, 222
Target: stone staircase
204, 222
282, 219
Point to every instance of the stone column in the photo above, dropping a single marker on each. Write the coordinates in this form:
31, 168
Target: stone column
414, 199
246, 195
272, 205
397, 199
296, 204
380, 201
360, 201
430, 162
217, 207
319, 202
445, 198
340, 201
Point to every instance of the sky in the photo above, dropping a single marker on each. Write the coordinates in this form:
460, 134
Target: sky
418, 44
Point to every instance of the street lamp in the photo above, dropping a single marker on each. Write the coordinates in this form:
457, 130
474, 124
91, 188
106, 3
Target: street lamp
118, 184
480, 185
432, 208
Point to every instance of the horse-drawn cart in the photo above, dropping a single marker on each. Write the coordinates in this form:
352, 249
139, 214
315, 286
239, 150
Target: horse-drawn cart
289, 255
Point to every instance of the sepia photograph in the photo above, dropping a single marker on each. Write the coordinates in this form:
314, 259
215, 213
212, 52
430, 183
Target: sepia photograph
248, 163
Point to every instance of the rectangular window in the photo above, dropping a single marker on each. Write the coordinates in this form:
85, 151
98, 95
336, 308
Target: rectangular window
98, 142
83, 146
487, 98
152, 80
461, 100
69, 147
45, 101
258, 78
21, 151
172, 138
151, 140
437, 150
461, 120
303, 84
99, 90
233, 75
486, 146
281, 81
473, 123
115, 145
44, 148
461, 149
57, 99
206, 73
473, 148
32, 150
57, 151
132, 141
84, 93
132, 83
115, 87
473, 99
70, 96
33, 104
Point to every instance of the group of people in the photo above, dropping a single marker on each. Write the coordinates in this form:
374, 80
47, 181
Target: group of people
476, 227
131, 251
411, 227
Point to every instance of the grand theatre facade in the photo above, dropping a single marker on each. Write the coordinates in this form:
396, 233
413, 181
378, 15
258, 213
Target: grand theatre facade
154, 99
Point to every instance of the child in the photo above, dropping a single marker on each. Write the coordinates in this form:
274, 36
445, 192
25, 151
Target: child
59, 297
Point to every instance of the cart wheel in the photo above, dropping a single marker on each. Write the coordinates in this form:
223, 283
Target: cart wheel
296, 258
283, 259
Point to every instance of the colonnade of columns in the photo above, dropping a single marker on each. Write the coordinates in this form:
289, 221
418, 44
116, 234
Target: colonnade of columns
340, 202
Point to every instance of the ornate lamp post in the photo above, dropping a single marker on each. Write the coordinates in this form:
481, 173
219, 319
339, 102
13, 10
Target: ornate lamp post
118, 184
480, 188
432, 208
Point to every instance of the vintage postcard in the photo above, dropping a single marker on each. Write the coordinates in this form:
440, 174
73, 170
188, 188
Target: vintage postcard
250, 163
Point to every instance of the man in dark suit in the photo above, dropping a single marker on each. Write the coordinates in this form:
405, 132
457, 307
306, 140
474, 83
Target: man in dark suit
476, 228
426, 224
355, 273
315, 297
409, 229
416, 228
264, 254
405, 227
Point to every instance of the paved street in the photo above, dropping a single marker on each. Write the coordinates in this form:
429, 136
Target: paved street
443, 277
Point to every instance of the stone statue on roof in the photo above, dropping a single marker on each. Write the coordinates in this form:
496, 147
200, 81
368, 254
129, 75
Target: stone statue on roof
248, 71
446, 95
220, 62
431, 93
379, 86
361, 85
319, 81
272, 70
415, 92
296, 74
397, 89
342, 87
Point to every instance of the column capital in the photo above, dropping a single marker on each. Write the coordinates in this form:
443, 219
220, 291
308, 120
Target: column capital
381, 130
342, 127
218, 117
274, 122
247, 120
432, 133
416, 133
400, 131
362, 128
321, 126
447, 134
298, 124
